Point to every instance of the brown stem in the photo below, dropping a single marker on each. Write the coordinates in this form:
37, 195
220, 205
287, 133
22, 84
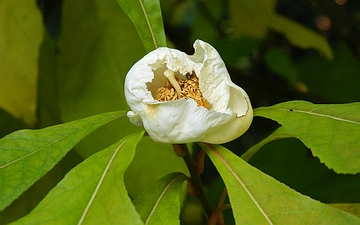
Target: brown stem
196, 180
218, 213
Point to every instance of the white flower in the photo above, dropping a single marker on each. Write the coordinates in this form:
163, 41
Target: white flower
181, 98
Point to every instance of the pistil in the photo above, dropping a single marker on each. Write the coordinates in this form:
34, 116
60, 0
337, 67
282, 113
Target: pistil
170, 76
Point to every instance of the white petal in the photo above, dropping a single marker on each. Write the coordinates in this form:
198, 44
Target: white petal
180, 121
183, 121
213, 76
238, 124
134, 118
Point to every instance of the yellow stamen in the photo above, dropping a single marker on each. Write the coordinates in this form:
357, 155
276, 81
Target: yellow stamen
189, 88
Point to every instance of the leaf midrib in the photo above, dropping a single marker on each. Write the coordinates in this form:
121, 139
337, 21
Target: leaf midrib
97, 188
149, 24
161, 197
33, 152
242, 184
320, 115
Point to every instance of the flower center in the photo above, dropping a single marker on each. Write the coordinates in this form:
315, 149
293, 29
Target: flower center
176, 88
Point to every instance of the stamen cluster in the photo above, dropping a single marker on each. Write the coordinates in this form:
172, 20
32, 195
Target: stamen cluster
189, 89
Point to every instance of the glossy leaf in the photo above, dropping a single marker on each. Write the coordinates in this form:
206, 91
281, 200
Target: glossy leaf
147, 18
21, 30
257, 198
160, 204
279, 133
331, 131
27, 155
245, 15
93, 192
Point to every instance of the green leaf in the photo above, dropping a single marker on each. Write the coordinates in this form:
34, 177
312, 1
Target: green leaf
160, 204
27, 155
299, 35
147, 18
47, 102
148, 155
21, 29
245, 15
279, 133
92, 62
93, 59
257, 198
353, 208
93, 192
280, 62
337, 80
331, 131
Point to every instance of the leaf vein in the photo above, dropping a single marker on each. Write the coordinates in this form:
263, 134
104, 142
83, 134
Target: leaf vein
31, 153
322, 115
97, 188
160, 197
243, 185
148, 23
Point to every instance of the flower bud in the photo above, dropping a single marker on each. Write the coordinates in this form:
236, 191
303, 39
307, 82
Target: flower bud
182, 98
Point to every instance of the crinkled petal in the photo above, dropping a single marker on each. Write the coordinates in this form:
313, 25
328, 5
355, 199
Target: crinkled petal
147, 75
213, 76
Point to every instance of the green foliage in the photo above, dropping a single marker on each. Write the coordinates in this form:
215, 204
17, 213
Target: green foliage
279, 133
27, 155
160, 204
325, 129
146, 16
351, 208
337, 79
257, 198
18, 64
81, 73
92, 62
247, 14
93, 192
97, 47
281, 63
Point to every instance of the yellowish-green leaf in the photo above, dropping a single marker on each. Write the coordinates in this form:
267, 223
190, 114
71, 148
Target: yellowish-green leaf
147, 18
331, 131
160, 204
21, 33
93, 192
257, 198
27, 155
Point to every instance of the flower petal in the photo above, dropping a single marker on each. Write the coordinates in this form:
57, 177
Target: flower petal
183, 121
213, 76
180, 121
238, 124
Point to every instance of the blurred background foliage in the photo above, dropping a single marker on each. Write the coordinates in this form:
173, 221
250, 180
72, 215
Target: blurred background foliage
63, 60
